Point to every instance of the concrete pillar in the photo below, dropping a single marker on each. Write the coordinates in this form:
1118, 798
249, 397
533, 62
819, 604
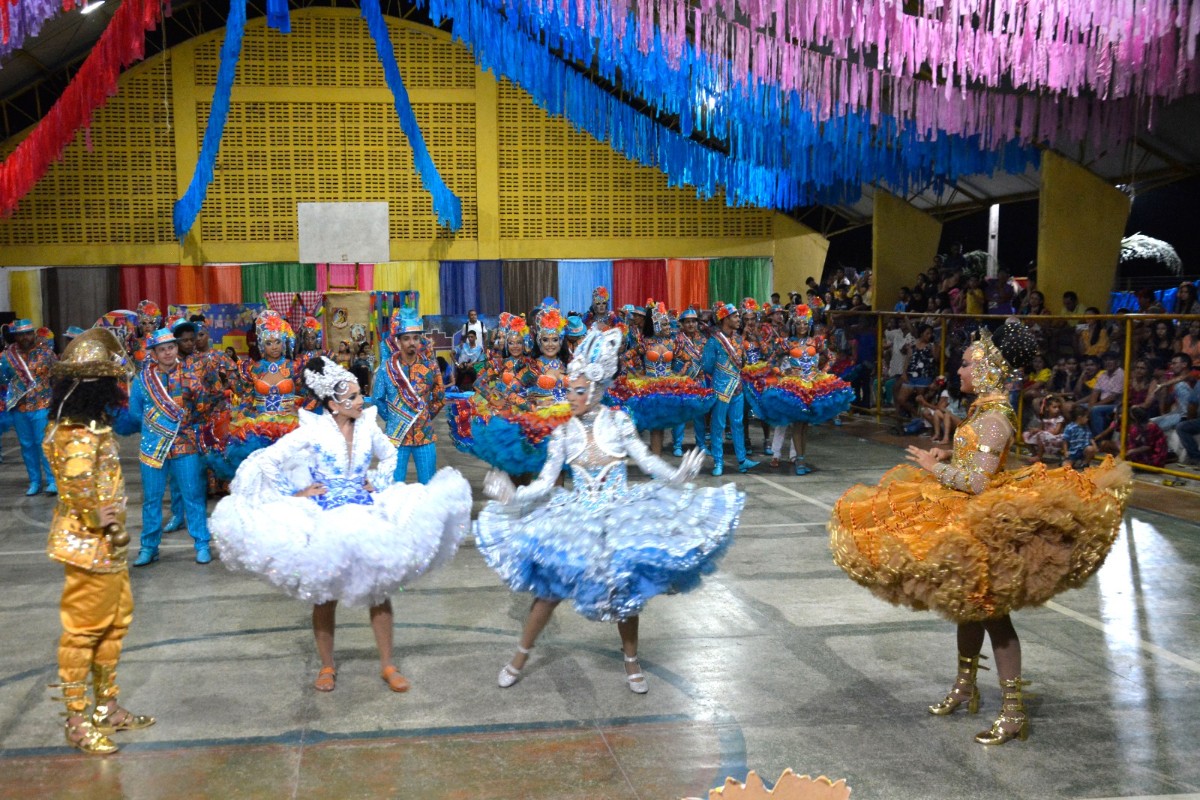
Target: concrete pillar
1081, 219
904, 241
799, 254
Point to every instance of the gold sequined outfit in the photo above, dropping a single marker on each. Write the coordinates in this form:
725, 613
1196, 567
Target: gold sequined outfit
97, 605
971, 540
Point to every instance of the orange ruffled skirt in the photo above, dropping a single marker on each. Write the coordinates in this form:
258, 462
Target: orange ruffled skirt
1033, 533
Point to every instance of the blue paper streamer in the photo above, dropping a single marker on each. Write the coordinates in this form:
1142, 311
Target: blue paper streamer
782, 154
278, 17
187, 208
445, 204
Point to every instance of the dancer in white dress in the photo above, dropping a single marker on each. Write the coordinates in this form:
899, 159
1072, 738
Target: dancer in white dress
305, 515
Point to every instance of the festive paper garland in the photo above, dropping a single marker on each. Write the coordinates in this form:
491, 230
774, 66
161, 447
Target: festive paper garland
122, 43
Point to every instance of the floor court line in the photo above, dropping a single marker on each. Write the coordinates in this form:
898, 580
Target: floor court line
1149, 648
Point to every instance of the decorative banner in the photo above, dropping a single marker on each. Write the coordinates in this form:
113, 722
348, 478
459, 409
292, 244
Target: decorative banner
348, 320
227, 323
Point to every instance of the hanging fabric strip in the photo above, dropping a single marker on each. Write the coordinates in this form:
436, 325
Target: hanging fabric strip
122, 43
25, 20
445, 204
277, 16
187, 208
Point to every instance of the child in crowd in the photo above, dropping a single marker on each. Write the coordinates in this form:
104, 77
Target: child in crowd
953, 413
1046, 435
1077, 438
1145, 442
931, 403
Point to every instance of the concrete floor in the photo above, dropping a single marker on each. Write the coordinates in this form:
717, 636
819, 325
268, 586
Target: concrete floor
778, 661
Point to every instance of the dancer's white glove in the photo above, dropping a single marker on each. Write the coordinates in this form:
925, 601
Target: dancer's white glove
498, 486
689, 467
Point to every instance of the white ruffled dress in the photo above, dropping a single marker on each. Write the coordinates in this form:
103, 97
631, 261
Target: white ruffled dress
354, 544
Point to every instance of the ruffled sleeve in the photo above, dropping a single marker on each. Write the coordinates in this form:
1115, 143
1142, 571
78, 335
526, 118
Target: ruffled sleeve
649, 463
556, 456
266, 473
973, 465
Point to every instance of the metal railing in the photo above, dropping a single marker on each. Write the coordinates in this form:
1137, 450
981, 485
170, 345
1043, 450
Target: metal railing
966, 323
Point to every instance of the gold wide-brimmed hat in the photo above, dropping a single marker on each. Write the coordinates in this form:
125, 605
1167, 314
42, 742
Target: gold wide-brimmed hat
95, 353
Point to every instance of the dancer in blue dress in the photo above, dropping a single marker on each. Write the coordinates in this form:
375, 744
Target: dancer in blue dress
605, 545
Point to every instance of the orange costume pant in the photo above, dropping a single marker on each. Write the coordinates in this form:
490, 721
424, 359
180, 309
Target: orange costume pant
96, 610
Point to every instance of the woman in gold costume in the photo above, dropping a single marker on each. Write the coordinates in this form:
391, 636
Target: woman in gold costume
88, 536
958, 534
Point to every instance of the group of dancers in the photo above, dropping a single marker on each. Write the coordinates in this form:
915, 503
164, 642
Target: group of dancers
701, 367
324, 512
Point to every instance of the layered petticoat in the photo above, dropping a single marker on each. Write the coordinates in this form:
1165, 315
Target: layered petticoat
781, 400
660, 403
1032, 534
350, 544
609, 550
512, 439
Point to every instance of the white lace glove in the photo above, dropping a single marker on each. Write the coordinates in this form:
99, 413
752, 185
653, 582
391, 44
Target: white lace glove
499, 487
688, 468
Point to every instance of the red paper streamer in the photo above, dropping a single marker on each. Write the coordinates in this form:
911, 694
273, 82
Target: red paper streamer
123, 43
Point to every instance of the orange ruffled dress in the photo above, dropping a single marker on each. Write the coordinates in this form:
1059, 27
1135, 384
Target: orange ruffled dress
1023, 538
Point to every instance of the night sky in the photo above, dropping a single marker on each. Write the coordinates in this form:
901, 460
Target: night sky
1170, 213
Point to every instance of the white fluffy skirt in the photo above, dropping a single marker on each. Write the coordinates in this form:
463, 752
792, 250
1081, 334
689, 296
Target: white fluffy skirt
357, 554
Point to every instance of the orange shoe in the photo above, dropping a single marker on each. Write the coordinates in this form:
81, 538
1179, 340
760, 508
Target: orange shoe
395, 681
326, 680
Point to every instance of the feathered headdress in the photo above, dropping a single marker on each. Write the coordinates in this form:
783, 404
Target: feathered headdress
313, 324
599, 295
660, 317
147, 311
802, 313
549, 319
269, 326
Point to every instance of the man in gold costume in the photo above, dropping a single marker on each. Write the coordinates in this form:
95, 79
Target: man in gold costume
88, 536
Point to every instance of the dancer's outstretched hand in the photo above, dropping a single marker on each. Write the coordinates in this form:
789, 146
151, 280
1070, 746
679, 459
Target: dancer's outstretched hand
498, 486
689, 467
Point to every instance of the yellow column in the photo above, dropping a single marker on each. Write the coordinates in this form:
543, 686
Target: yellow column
1081, 220
487, 163
904, 241
799, 254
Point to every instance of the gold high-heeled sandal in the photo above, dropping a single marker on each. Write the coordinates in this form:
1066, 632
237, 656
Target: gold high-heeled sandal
964, 689
1012, 712
81, 735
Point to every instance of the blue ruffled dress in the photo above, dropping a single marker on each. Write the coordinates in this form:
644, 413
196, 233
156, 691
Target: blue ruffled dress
606, 545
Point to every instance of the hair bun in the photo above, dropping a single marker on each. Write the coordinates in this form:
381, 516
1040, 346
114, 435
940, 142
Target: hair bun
1016, 343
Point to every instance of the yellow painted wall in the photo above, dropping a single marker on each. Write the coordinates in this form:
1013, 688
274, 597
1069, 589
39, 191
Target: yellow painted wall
904, 241
799, 254
1081, 220
311, 120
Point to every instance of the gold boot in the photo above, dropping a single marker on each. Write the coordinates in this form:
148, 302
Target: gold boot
964, 689
1012, 713
81, 735
109, 717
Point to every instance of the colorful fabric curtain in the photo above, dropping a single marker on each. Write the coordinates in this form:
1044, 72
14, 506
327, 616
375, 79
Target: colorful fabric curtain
258, 279
730, 280
577, 280
527, 283
145, 282
491, 288
636, 280
687, 283
189, 285
418, 276
345, 277
223, 284
25, 294
459, 286
80, 295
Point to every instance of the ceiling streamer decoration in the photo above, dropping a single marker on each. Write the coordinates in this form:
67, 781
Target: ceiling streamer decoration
763, 158
121, 44
21, 19
446, 205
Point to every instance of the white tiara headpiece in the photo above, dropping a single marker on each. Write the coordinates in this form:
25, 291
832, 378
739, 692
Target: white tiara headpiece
327, 385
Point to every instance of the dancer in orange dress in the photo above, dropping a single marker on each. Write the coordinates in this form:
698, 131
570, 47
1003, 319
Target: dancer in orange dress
959, 535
